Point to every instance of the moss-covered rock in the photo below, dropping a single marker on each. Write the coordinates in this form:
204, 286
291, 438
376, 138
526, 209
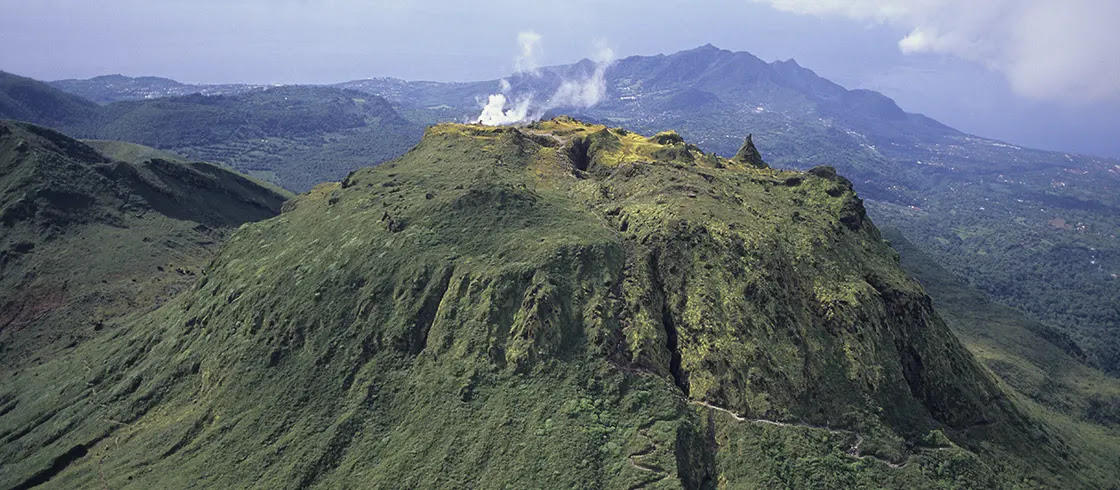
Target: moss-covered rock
748, 154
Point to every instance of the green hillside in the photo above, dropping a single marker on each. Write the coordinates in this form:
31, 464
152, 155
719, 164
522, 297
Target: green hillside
137, 154
1038, 363
1035, 230
559, 306
130, 152
106, 89
292, 136
86, 240
33, 101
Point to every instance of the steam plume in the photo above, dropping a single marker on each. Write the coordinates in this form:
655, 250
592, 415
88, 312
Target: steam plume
496, 114
500, 108
528, 59
584, 93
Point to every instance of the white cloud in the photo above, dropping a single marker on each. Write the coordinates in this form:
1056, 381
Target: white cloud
1053, 49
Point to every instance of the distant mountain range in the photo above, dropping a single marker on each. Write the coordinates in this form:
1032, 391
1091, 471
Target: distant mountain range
106, 89
295, 136
1034, 229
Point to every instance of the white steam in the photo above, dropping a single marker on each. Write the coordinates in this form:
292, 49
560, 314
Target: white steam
502, 109
584, 93
528, 59
1053, 49
497, 114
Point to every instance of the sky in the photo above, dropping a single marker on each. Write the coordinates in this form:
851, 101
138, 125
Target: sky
1040, 73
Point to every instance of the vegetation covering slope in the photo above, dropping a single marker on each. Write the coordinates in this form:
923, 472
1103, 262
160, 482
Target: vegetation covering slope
86, 239
130, 152
34, 101
106, 89
138, 154
1036, 230
294, 136
1035, 361
563, 305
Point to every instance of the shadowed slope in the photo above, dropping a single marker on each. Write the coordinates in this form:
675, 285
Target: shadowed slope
86, 239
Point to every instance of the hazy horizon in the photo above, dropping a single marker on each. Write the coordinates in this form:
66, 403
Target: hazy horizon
970, 73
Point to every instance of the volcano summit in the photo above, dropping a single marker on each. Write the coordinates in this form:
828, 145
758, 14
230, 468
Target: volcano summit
557, 305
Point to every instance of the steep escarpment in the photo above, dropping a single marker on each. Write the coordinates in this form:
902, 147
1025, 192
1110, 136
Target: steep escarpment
560, 305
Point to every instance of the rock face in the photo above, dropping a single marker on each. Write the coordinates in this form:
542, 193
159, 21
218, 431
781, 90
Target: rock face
561, 305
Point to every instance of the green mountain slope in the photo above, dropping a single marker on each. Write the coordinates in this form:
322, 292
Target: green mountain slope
115, 88
33, 101
87, 240
983, 208
137, 154
1033, 229
1037, 362
130, 152
293, 136
563, 305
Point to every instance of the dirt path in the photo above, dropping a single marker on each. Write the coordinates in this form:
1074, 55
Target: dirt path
657, 473
852, 451
545, 134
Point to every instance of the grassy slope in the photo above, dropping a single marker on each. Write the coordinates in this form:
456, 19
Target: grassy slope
130, 152
137, 154
292, 136
537, 308
987, 208
1035, 361
1034, 230
88, 240
36, 102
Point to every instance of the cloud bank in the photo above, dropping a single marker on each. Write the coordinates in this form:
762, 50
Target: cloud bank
1047, 49
503, 108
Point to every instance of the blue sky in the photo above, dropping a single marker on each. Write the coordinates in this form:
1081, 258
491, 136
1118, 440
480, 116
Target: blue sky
982, 66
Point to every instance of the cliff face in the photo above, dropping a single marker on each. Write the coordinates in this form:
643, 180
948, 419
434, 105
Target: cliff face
551, 306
